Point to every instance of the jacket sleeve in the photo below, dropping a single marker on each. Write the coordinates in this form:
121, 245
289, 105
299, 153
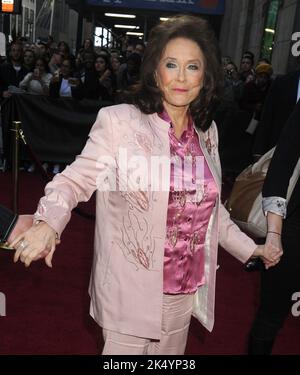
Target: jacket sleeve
284, 159
79, 180
232, 239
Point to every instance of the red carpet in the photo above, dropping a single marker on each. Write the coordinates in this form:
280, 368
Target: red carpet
48, 309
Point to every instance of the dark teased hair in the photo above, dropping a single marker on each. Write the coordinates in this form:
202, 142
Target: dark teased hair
148, 97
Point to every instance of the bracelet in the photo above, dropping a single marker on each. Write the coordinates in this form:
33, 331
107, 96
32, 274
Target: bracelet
269, 231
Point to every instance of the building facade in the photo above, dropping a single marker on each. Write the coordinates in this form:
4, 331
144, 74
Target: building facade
265, 27
39, 18
22, 23
55, 17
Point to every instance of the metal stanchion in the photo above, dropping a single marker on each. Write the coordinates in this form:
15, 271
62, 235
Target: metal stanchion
15, 164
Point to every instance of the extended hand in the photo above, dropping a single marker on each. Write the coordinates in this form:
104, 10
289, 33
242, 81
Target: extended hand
37, 242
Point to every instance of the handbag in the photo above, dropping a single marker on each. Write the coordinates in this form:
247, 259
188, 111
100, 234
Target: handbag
245, 201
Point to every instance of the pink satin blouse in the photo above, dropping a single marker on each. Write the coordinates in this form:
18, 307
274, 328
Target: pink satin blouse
189, 210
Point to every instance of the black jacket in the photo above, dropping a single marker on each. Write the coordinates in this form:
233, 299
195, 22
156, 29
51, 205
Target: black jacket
54, 88
9, 76
279, 104
283, 163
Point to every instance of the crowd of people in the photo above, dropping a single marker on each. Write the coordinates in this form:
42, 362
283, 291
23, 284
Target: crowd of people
49, 69
239, 114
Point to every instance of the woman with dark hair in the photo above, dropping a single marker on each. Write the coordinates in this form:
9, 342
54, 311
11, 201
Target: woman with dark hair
103, 79
37, 82
64, 48
88, 45
156, 170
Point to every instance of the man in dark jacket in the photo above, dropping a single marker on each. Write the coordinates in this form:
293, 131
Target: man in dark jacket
279, 284
13, 71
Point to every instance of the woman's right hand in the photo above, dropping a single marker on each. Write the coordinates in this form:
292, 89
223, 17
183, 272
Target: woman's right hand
37, 242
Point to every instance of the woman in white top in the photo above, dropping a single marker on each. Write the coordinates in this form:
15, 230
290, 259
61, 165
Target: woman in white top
64, 84
37, 82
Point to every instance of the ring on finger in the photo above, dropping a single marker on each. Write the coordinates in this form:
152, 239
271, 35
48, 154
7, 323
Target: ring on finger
23, 244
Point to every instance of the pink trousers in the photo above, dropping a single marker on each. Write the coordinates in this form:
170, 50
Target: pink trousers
177, 311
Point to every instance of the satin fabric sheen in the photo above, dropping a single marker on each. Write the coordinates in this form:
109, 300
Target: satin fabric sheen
187, 218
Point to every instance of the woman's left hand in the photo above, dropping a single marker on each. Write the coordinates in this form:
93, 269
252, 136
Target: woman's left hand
37, 242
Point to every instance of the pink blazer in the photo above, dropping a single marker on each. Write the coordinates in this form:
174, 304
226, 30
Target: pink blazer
126, 284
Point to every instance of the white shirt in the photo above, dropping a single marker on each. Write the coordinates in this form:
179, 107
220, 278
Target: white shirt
32, 86
17, 68
65, 89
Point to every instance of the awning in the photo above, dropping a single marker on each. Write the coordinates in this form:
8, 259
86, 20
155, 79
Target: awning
213, 7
